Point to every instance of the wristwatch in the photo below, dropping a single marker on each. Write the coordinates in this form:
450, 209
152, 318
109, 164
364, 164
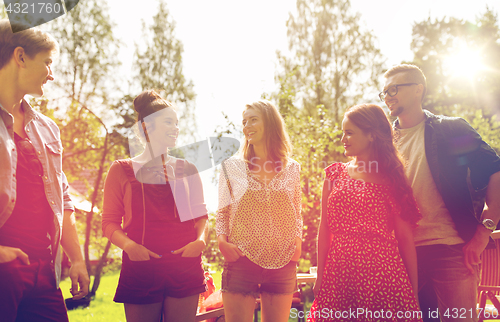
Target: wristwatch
489, 224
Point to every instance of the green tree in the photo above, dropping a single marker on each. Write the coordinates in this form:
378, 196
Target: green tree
334, 60
470, 88
89, 49
159, 66
211, 253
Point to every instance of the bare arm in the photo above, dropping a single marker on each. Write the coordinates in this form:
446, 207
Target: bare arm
474, 248
404, 235
71, 246
324, 236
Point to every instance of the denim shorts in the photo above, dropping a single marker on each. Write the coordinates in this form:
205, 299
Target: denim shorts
245, 277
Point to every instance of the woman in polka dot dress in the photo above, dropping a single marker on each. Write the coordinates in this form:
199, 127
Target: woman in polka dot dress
365, 272
259, 226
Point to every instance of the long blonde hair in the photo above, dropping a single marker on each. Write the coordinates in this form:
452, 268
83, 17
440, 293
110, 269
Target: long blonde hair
278, 145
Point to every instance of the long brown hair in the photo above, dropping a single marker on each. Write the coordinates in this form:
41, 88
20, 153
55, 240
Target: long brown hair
278, 145
371, 119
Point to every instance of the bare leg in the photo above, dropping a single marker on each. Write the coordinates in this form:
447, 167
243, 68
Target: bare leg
238, 307
275, 307
143, 312
180, 310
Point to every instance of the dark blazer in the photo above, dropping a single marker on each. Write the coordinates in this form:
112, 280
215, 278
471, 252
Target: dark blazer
461, 164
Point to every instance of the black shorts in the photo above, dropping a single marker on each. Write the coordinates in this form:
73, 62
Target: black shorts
147, 282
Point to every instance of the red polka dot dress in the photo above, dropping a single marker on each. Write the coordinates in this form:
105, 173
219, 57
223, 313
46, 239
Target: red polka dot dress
364, 278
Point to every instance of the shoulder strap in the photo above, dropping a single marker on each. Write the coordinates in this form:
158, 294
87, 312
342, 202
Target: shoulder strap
179, 168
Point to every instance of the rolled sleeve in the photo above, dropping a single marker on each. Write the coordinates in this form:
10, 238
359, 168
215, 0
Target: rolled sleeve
67, 202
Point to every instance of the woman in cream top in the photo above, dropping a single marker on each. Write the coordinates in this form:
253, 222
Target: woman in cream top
259, 226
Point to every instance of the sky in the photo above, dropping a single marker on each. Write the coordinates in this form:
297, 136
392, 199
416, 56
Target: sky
230, 45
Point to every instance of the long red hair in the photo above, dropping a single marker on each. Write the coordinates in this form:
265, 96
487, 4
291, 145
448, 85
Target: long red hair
371, 119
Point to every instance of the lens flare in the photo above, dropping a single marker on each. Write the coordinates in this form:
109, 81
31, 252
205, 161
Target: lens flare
464, 62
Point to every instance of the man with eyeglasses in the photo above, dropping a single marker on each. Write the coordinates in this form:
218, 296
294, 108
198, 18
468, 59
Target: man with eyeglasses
36, 213
440, 152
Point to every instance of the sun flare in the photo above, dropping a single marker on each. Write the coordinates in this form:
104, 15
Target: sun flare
464, 62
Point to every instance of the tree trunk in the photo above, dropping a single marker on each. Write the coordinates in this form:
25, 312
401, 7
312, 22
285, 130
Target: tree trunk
98, 269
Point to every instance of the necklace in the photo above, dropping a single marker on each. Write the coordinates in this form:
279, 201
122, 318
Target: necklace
162, 172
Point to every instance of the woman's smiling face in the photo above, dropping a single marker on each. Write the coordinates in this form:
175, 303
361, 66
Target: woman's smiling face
253, 126
165, 127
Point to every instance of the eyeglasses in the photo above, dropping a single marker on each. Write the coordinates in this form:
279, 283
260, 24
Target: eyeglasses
392, 90
28, 150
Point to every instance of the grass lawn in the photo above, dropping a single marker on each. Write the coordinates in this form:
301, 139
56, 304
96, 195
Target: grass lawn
103, 309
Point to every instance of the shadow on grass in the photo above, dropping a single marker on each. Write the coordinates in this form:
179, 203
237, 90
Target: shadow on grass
102, 308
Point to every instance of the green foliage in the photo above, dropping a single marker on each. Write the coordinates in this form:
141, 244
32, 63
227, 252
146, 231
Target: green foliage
304, 265
87, 64
159, 66
334, 62
475, 95
488, 128
211, 254
316, 144
3, 13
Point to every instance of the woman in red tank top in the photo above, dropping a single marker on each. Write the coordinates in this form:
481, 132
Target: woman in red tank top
159, 199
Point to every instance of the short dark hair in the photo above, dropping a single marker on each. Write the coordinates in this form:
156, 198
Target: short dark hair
413, 74
32, 40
